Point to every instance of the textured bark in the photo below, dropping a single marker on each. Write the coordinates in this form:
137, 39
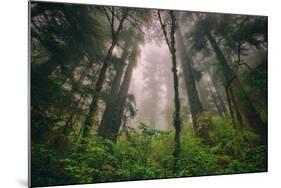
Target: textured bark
192, 93
90, 118
115, 88
172, 48
245, 106
177, 121
111, 125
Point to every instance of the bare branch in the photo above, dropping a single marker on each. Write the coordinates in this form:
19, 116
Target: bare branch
164, 30
137, 20
131, 22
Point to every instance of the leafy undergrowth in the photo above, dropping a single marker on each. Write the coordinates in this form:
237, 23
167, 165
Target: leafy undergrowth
147, 154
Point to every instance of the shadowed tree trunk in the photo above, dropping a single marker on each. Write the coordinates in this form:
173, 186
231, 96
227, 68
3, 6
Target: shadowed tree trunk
172, 47
193, 98
214, 97
221, 101
177, 122
230, 107
111, 125
116, 83
115, 87
245, 106
90, 118
237, 113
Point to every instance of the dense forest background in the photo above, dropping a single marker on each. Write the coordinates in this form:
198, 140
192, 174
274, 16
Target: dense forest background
126, 94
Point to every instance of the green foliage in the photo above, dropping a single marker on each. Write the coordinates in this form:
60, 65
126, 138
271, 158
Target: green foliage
147, 154
69, 43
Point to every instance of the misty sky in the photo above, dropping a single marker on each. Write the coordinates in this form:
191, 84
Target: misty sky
156, 53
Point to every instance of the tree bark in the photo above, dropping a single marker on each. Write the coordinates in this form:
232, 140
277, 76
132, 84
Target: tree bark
114, 89
221, 101
90, 118
230, 107
245, 106
192, 93
172, 48
177, 121
111, 125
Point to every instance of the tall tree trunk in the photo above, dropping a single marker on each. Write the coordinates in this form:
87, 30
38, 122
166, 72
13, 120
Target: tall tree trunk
245, 106
237, 113
90, 118
111, 125
215, 99
192, 93
172, 48
230, 107
222, 104
177, 121
115, 88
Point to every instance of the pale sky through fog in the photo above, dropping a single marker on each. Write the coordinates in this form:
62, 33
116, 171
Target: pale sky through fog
148, 50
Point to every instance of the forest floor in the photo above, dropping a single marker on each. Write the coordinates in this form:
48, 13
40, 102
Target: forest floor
148, 154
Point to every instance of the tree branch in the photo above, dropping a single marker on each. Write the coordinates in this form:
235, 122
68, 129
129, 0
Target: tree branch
164, 30
137, 20
112, 19
109, 20
131, 22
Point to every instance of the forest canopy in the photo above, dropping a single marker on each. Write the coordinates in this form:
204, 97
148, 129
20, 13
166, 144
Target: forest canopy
120, 93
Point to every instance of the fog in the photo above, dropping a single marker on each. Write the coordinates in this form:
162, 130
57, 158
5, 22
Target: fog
152, 85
